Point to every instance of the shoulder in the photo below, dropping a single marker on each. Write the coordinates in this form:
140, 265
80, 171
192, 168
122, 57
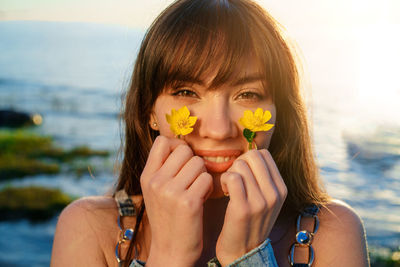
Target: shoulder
76, 240
86, 211
340, 240
338, 215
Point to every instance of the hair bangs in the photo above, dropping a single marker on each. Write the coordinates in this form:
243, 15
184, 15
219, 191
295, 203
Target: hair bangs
208, 38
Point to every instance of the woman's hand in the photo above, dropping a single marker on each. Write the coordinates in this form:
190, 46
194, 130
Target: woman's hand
257, 193
175, 185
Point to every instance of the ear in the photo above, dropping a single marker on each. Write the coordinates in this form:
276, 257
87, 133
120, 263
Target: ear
153, 122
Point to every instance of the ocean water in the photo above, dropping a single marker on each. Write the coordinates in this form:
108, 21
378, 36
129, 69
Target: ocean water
74, 75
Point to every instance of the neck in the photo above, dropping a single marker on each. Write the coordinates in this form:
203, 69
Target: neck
213, 220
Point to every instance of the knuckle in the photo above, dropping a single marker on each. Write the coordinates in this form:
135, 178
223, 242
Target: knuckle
143, 183
273, 199
242, 157
249, 155
263, 151
169, 192
154, 185
284, 192
206, 177
239, 163
233, 177
266, 153
189, 204
198, 160
160, 140
253, 153
260, 207
244, 213
185, 149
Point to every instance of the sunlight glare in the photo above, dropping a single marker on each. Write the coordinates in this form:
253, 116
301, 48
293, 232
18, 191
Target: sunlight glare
378, 87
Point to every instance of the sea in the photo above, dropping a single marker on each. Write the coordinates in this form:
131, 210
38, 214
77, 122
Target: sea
75, 75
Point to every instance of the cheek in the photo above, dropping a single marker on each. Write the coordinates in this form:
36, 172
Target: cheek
263, 139
165, 128
161, 108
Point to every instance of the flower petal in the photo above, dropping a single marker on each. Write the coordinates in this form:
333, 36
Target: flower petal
169, 118
173, 112
174, 129
242, 121
267, 116
192, 120
185, 131
247, 118
258, 113
247, 114
184, 112
266, 127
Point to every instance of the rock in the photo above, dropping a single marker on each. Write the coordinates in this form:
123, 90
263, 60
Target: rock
33, 203
15, 119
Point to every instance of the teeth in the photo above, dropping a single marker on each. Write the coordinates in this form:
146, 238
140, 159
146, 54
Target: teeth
218, 159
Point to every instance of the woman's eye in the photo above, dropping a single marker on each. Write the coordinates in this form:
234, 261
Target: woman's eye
185, 93
249, 95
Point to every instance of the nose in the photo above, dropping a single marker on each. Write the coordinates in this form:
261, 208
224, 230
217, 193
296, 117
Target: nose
216, 121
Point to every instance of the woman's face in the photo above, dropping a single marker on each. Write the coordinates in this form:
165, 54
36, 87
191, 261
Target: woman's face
217, 136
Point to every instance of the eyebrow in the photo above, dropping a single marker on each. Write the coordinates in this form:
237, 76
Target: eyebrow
191, 80
247, 79
236, 82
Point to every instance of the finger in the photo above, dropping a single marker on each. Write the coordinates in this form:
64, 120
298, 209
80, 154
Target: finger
189, 172
159, 152
232, 183
241, 167
274, 171
259, 167
202, 186
176, 160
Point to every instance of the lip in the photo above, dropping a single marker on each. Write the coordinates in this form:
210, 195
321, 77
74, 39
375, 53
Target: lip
218, 167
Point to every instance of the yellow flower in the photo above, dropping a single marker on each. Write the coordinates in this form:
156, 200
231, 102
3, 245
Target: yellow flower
180, 121
256, 122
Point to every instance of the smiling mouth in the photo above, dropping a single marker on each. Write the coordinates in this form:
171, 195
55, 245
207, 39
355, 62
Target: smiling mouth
218, 161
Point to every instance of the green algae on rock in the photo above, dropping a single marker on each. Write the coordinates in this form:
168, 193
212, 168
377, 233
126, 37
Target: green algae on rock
24, 153
33, 203
384, 256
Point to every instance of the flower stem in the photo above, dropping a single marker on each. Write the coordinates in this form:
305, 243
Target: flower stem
252, 145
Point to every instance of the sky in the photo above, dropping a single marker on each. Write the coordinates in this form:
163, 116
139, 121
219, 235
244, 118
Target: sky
350, 43
139, 13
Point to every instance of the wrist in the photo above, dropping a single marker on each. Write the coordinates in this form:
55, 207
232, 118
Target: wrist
263, 250
167, 260
225, 259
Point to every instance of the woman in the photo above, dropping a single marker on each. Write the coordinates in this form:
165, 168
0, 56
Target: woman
207, 195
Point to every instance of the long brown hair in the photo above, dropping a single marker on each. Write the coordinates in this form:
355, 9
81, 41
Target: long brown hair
187, 40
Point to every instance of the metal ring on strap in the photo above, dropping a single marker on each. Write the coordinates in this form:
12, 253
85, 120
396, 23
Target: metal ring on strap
316, 223
304, 238
310, 257
125, 235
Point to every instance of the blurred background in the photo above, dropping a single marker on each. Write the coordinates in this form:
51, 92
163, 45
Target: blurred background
70, 61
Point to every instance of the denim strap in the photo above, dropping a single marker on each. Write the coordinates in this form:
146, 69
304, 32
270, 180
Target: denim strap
262, 256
